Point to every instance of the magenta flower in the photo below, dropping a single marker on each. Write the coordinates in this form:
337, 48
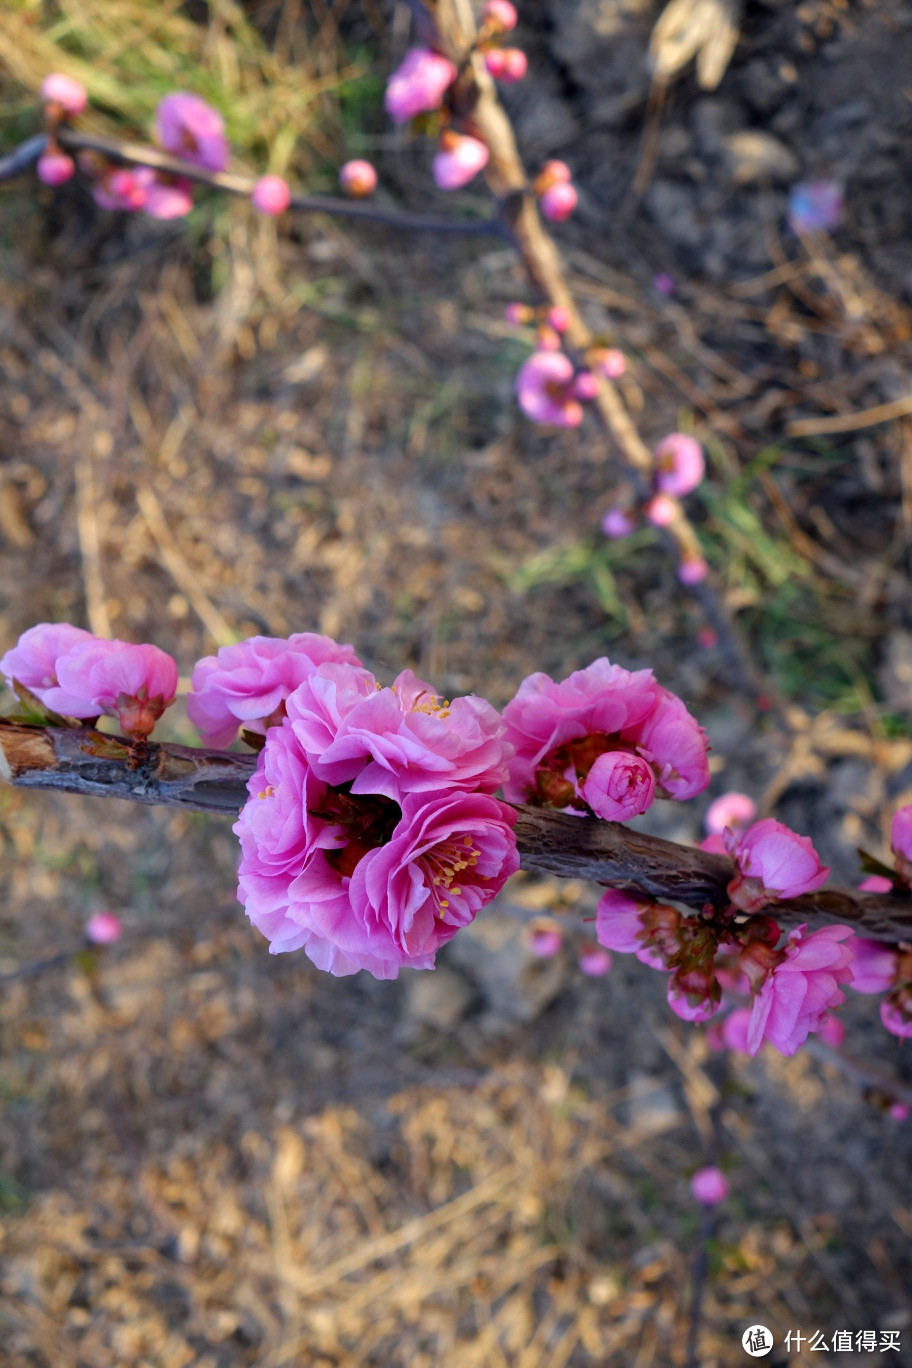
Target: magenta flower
190, 129
612, 363
729, 810
620, 785
801, 989
697, 1005
55, 167
33, 660
594, 962
506, 64
103, 928
901, 839
559, 318
874, 967
358, 179
735, 1028
168, 198
679, 464
501, 14
246, 685
677, 746
65, 92
896, 1016
545, 939
661, 510
271, 195
832, 1032
585, 386
709, 1186
559, 201
773, 862
418, 84
123, 188
693, 571
618, 522
364, 881
636, 928
458, 159
134, 684
876, 883
544, 388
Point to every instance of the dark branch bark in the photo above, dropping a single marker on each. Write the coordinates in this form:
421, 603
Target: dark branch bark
80, 760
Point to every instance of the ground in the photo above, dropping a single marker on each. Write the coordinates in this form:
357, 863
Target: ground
211, 1156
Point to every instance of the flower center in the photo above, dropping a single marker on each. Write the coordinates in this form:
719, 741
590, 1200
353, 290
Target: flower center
443, 865
368, 821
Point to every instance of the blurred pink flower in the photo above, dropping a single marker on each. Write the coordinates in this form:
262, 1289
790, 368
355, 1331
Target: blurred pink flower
773, 862
831, 1031
663, 283
358, 179
585, 386
801, 989
518, 314
123, 188
33, 660
418, 84
594, 962
876, 883
874, 967
896, 1014
709, 1186
661, 510
545, 939
559, 201
55, 167
271, 195
693, 571
735, 1028
168, 198
104, 928
513, 64
559, 318
458, 160
544, 388
246, 685
612, 363
552, 173
672, 739
66, 92
189, 128
697, 1006
729, 810
501, 13
134, 684
679, 464
901, 839
618, 522
620, 785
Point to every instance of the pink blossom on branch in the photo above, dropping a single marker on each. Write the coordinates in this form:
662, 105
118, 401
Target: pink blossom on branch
104, 928
773, 862
729, 810
874, 967
709, 1186
544, 388
65, 92
55, 168
801, 989
168, 197
901, 840
458, 160
358, 179
620, 785
134, 684
189, 128
559, 201
506, 64
618, 522
246, 685
679, 464
123, 188
418, 84
33, 660
271, 195
502, 14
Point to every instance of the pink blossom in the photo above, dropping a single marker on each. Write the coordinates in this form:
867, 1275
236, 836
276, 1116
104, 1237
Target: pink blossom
585, 386
271, 195
69, 94
545, 939
169, 198
123, 188
693, 570
518, 314
735, 1028
692, 1006
365, 882
874, 967
832, 1032
559, 201
896, 1015
418, 84
33, 660
714, 844
190, 129
798, 993
661, 510
495, 61
620, 785
594, 962
709, 1186
612, 363
246, 685
630, 927
679, 464
552, 173
358, 179
459, 159
901, 839
55, 167
773, 862
618, 522
675, 743
548, 340
511, 63
104, 928
729, 810
898, 1111
501, 14
663, 283
876, 883
402, 739
559, 318
544, 388
134, 684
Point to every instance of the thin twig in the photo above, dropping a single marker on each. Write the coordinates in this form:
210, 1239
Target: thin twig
81, 760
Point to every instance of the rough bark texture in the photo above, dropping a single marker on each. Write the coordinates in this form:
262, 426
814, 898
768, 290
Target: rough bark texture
80, 760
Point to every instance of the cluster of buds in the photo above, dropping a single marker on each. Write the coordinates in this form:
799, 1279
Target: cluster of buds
679, 467
64, 99
884, 968
557, 196
503, 63
550, 389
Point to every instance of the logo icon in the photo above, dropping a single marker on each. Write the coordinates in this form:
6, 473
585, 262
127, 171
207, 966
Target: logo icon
757, 1341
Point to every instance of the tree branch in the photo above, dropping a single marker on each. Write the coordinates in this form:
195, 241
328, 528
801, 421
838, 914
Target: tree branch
81, 760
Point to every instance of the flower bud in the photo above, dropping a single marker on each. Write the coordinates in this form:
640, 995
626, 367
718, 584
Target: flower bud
559, 201
594, 962
65, 92
617, 522
730, 810
619, 786
501, 15
709, 1186
458, 160
515, 64
693, 571
545, 938
271, 195
558, 318
679, 464
54, 168
358, 179
104, 928
661, 510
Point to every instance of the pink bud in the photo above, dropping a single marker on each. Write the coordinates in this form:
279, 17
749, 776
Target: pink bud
559, 201
585, 386
103, 928
358, 179
168, 199
55, 167
901, 839
693, 571
501, 14
418, 84
896, 1017
459, 159
547, 339
559, 318
271, 195
516, 64
874, 967
679, 464
612, 363
730, 810
619, 786
66, 92
898, 1111
831, 1031
617, 522
518, 314
663, 283
692, 1005
594, 962
545, 939
661, 510
189, 128
496, 62
552, 173
709, 1186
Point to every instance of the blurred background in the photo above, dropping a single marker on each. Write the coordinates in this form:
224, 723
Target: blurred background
225, 426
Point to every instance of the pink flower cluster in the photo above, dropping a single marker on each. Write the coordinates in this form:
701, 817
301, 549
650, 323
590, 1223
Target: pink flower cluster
504, 63
885, 968
604, 740
82, 676
64, 98
679, 468
371, 834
